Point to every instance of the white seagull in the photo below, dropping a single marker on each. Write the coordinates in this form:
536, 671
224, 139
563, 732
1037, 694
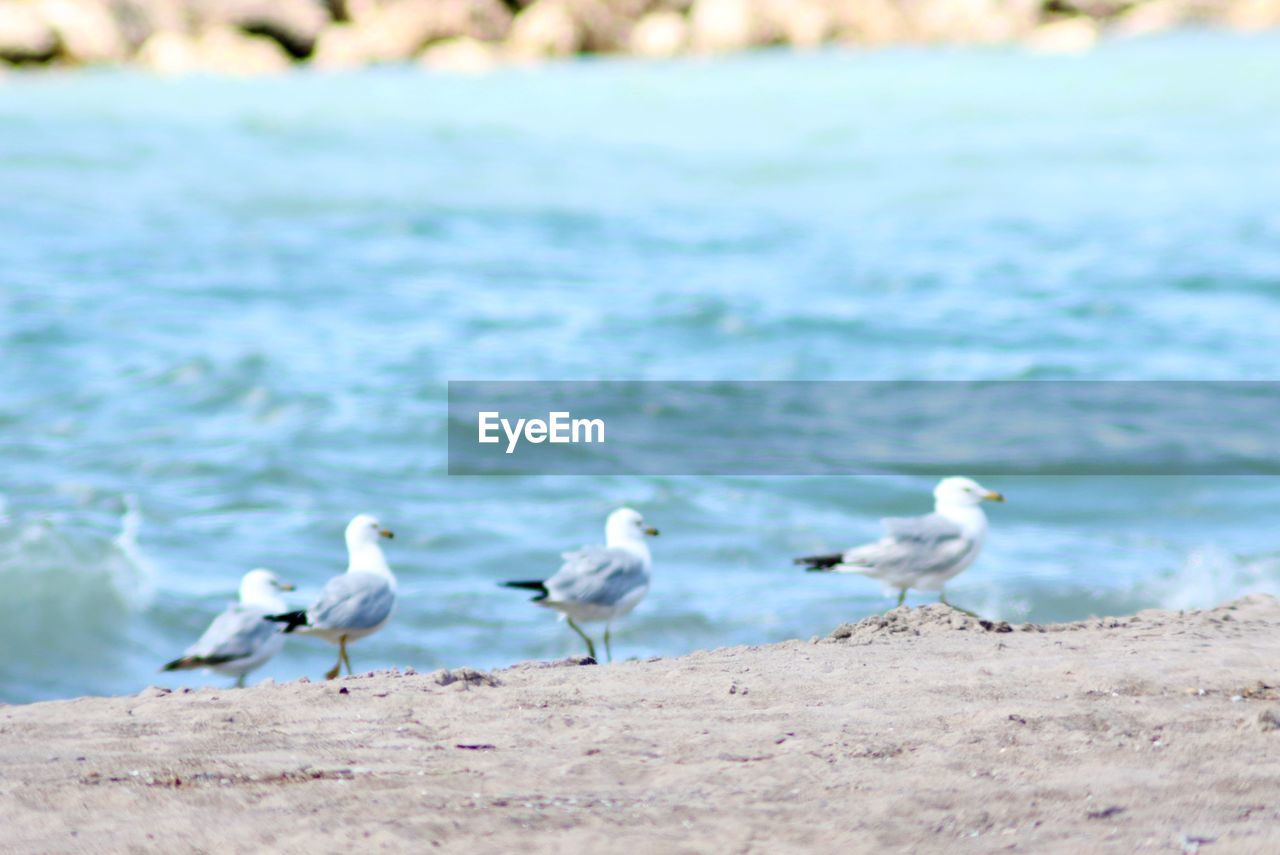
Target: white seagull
921, 552
355, 604
239, 640
600, 583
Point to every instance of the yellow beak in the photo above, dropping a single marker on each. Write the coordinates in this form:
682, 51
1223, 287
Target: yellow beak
383, 532
287, 586
652, 532
994, 496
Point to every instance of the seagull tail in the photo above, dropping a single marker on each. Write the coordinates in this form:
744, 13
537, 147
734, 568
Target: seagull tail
291, 620
539, 586
820, 563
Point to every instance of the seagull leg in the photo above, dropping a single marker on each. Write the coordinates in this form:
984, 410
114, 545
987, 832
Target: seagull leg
608, 652
333, 672
591, 647
240, 682
942, 598
342, 649
902, 596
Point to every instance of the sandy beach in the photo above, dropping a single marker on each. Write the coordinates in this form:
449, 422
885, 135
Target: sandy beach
921, 730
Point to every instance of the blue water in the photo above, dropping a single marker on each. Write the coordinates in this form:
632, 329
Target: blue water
228, 310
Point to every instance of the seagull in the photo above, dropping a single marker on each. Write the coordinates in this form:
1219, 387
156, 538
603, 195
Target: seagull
600, 583
239, 640
921, 552
355, 604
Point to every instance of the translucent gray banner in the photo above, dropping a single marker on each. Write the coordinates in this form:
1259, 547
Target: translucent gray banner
844, 428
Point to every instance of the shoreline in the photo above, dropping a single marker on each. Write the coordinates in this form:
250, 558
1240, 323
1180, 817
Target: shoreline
251, 37
918, 729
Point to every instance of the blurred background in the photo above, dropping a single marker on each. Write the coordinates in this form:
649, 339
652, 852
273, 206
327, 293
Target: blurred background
261, 36
231, 295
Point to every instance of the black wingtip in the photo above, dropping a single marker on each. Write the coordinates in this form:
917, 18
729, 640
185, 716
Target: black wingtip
527, 586
820, 563
538, 586
291, 620
186, 663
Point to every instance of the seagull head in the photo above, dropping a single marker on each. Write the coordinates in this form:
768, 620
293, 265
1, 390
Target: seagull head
262, 586
626, 525
963, 492
363, 530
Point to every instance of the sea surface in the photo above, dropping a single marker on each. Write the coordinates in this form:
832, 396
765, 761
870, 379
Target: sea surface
229, 309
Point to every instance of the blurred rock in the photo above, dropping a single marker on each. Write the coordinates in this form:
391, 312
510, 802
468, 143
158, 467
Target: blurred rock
1153, 17
228, 51
727, 25
562, 27
1069, 35
219, 50
86, 30
1254, 14
870, 22
546, 28
138, 20
1096, 9
720, 26
169, 52
607, 24
397, 31
463, 55
804, 23
25, 36
351, 10
339, 46
659, 34
973, 21
402, 29
295, 24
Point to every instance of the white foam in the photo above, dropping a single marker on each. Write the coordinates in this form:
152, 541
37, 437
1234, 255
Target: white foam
1211, 575
135, 577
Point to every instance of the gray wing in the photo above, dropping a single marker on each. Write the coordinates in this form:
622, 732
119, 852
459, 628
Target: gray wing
237, 633
352, 601
597, 576
914, 546
932, 529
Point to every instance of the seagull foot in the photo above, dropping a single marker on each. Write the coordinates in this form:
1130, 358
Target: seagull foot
942, 599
